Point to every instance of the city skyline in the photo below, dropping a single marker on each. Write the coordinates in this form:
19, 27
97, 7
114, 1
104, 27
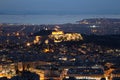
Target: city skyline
59, 7
59, 40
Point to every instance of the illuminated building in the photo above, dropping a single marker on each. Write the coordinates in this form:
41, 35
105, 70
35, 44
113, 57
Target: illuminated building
28, 44
85, 73
47, 72
7, 67
59, 36
56, 36
37, 40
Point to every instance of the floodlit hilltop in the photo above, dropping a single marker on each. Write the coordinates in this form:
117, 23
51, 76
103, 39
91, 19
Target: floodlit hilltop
57, 35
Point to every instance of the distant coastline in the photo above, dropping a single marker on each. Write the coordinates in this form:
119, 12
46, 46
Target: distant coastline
48, 19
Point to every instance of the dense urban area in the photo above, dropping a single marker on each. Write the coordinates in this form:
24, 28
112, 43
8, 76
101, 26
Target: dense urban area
87, 50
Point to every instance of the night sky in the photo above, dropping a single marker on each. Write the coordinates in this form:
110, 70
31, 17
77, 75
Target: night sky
60, 6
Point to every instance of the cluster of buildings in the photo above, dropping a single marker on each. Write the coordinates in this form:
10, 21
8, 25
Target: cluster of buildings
64, 64
58, 55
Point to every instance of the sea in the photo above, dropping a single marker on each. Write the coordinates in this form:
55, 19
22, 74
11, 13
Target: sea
48, 19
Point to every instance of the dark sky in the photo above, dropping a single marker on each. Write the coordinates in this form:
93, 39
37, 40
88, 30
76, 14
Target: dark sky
60, 6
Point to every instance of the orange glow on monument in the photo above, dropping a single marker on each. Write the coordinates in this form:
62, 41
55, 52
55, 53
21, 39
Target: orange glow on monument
59, 36
57, 33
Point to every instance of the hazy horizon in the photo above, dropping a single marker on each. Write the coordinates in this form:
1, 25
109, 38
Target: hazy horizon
49, 19
101, 7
